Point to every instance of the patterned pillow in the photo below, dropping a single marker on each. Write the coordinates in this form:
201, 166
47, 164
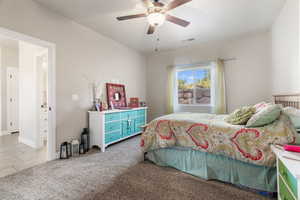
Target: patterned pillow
241, 116
265, 116
260, 106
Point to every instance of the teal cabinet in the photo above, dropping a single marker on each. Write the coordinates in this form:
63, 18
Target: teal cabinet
112, 126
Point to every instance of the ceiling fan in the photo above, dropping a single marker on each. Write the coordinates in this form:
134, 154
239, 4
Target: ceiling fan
157, 14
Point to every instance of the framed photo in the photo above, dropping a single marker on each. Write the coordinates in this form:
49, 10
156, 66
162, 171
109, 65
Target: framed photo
116, 95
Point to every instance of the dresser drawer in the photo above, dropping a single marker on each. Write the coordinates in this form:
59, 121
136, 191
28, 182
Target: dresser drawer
141, 112
112, 126
288, 178
128, 115
112, 117
140, 120
284, 192
112, 137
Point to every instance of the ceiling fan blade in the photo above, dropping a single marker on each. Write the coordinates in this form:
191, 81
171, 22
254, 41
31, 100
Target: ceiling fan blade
158, 4
147, 3
131, 17
177, 21
176, 3
151, 30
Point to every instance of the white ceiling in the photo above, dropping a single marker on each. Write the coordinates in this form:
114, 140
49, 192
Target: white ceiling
211, 20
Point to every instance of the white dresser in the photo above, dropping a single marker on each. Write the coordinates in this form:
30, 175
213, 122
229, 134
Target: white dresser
288, 174
112, 126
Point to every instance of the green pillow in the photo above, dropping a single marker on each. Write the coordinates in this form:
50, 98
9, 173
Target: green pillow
241, 116
265, 116
294, 115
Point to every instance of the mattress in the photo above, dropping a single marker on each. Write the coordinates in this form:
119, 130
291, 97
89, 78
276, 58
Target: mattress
211, 134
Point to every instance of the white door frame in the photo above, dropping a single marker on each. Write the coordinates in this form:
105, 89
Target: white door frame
51, 144
8, 68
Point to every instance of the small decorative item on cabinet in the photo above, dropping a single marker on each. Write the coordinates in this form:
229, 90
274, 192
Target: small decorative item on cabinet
81, 149
143, 104
98, 107
64, 151
85, 139
75, 147
104, 106
134, 102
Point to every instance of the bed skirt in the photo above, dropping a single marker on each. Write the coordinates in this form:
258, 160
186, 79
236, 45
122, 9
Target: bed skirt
216, 167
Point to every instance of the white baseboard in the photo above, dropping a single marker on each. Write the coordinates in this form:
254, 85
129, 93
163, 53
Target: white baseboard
28, 142
2, 133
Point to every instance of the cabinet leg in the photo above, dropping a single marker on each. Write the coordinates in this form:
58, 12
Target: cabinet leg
102, 149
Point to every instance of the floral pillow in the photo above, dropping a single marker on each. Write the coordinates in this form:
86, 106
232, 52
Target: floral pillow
240, 116
265, 116
259, 106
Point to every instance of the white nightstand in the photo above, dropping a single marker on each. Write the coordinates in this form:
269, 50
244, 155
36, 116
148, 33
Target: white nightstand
288, 174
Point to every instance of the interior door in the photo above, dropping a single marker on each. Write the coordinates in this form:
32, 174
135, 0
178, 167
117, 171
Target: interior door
12, 99
42, 76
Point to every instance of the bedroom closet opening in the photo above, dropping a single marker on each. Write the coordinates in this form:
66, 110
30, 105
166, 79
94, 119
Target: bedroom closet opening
24, 105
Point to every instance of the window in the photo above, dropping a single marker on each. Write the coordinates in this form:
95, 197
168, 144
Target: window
193, 86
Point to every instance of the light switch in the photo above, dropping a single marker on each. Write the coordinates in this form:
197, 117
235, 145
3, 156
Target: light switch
75, 97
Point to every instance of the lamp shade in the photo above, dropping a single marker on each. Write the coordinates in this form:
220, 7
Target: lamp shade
156, 19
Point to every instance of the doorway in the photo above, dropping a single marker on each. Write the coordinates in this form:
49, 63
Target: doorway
30, 97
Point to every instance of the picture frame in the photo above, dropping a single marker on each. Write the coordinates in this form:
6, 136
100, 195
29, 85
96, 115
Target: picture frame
116, 95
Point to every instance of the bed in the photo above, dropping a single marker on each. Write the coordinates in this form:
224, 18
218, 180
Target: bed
205, 146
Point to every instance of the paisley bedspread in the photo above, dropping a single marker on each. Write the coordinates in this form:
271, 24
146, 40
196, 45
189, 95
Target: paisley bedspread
210, 133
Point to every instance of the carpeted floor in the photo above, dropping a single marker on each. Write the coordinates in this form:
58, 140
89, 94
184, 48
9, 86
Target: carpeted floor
117, 174
146, 181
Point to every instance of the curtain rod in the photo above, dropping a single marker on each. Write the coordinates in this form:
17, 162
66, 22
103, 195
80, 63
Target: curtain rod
228, 59
205, 62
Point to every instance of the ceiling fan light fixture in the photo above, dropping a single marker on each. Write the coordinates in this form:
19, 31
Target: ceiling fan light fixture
156, 19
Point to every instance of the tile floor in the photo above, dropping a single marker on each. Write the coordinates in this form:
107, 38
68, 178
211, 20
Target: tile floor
15, 156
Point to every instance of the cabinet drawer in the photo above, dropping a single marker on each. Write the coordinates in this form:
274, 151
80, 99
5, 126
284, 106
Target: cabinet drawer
112, 117
288, 178
128, 115
124, 115
138, 128
112, 137
140, 120
112, 126
132, 114
284, 192
141, 112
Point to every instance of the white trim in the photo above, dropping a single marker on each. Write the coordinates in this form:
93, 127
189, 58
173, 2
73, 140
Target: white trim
1, 67
8, 68
27, 142
194, 65
51, 144
124, 138
6, 133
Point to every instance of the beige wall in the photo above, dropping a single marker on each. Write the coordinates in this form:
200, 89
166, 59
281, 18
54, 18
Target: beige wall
83, 56
9, 59
247, 78
285, 50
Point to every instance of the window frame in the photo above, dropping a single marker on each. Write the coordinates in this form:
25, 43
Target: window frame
209, 66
